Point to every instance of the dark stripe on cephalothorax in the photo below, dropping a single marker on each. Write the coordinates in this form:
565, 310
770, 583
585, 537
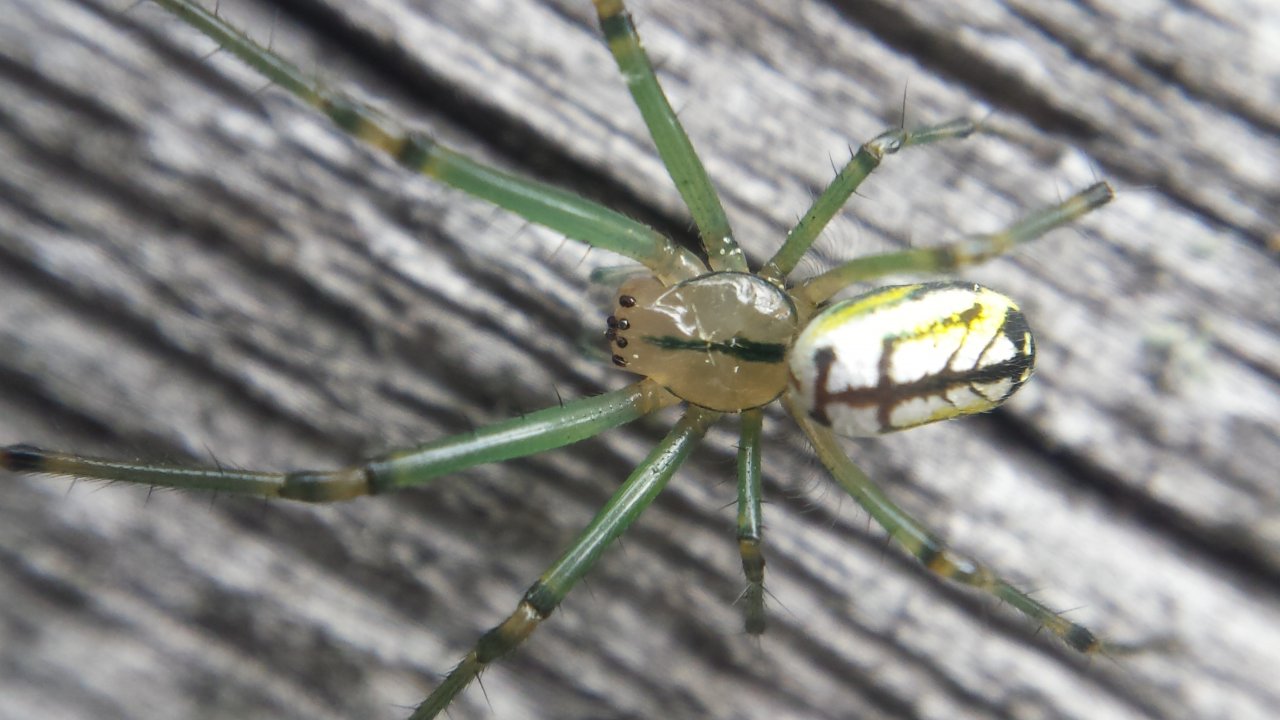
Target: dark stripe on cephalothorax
736, 348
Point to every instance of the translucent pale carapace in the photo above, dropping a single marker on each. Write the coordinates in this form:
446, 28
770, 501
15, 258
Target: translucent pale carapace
718, 341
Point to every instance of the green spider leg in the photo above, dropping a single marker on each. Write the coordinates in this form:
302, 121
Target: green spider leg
668, 135
565, 212
817, 290
526, 435
644, 484
813, 292
723, 253
846, 182
912, 535
925, 546
750, 520
559, 210
966, 251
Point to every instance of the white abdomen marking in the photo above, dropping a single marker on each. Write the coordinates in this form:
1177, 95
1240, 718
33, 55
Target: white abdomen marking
907, 355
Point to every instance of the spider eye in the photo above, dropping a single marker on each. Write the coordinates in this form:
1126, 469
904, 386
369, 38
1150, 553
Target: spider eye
908, 355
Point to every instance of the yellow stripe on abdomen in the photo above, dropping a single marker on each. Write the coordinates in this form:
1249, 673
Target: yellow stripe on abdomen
908, 355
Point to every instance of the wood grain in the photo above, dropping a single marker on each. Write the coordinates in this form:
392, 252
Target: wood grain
195, 267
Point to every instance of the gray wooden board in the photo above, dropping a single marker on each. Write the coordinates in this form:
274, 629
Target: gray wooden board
196, 268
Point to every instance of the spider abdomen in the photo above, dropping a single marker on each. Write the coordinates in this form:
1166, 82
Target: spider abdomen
718, 341
907, 355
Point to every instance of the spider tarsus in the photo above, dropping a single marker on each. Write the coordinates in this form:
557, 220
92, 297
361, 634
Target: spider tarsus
1082, 639
22, 457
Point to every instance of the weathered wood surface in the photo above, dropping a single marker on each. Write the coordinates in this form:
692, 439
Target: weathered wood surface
192, 267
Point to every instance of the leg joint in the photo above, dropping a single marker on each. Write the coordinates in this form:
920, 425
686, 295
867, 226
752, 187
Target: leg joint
312, 486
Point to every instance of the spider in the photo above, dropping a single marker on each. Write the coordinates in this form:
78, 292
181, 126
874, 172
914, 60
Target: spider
704, 331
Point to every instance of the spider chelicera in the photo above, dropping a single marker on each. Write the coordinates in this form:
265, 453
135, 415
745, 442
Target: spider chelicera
709, 333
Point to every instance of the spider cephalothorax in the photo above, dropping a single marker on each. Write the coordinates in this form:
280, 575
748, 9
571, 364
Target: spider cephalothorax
718, 341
